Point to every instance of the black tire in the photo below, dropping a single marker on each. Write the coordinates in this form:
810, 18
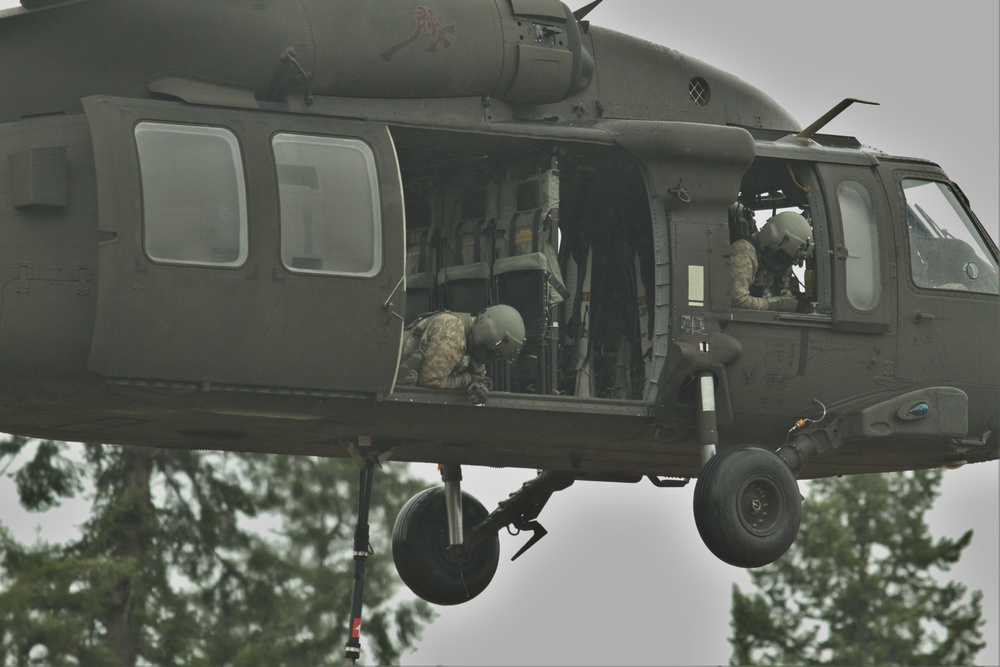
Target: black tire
747, 506
423, 560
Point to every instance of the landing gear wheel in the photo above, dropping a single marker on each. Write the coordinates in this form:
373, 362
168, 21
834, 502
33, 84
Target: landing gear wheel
424, 561
747, 506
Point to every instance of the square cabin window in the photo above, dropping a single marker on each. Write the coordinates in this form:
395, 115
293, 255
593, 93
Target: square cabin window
330, 214
194, 205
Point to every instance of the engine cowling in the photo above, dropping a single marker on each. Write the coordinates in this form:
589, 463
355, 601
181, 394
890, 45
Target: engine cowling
520, 51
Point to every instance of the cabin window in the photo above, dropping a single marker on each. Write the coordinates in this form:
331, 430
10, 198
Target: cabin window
330, 213
946, 252
861, 241
772, 186
193, 194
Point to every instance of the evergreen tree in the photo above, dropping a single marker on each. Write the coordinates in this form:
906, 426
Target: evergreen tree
193, 558
858, 587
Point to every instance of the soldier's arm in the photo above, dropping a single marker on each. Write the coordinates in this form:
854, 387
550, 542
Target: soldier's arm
743, 264
444, 347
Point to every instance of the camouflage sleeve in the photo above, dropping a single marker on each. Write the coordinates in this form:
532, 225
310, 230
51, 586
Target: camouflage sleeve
783, 283
410, 359
443, 344
743, 264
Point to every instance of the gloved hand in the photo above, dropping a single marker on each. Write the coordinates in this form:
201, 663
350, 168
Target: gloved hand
785, 303
479, 390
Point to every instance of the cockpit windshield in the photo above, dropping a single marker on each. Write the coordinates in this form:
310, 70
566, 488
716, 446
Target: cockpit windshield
946, 250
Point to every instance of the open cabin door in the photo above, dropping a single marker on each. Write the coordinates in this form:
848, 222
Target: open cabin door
246, 249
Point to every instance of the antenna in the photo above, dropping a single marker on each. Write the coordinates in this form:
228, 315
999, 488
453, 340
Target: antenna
583, 11
806, 135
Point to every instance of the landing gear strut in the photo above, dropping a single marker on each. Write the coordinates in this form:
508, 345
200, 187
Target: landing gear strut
746, 503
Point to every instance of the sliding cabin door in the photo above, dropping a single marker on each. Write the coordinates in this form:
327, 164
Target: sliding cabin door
246, 249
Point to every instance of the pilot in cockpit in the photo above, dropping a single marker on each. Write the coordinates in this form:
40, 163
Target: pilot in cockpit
761, 263
447, 350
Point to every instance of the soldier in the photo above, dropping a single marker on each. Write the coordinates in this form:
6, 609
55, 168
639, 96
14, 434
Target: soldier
450, 350
762, 263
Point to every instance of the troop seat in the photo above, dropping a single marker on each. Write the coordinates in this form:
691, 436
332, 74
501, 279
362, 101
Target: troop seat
464, 280
528, 279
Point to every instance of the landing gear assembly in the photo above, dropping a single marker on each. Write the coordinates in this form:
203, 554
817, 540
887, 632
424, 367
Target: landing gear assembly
433, 568
755, 525
447, 550
747, 505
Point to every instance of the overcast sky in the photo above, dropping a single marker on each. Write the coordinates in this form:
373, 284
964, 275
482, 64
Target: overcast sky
623, 577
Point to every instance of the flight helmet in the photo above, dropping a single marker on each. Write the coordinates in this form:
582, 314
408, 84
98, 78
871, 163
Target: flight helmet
784, 240
497, 334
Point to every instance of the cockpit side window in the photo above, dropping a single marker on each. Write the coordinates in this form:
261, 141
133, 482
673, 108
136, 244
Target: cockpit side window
774, 186
861, 241
330, 213
946, 252
194, 202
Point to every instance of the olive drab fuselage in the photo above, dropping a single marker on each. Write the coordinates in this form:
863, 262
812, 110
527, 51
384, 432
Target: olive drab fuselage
216, 220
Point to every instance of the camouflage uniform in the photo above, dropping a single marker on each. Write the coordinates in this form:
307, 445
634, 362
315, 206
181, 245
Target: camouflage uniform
435, 353
753, 283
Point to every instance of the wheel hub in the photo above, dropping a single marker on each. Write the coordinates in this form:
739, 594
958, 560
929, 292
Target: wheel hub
760, 505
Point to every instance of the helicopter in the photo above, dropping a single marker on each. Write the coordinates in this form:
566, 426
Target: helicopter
171, 282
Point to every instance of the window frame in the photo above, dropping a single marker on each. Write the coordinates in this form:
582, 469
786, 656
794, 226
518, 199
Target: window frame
871, 259
807, 175
376, 214
239, 173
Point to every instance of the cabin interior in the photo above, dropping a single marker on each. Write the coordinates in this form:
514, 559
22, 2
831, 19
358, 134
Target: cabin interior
561, 233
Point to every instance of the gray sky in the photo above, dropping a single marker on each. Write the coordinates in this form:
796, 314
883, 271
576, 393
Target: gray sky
623, 577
